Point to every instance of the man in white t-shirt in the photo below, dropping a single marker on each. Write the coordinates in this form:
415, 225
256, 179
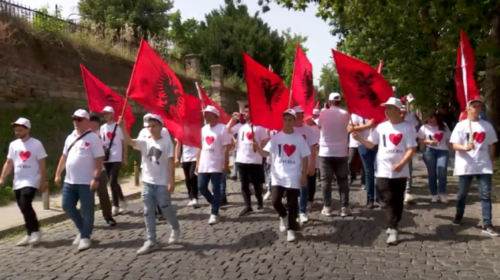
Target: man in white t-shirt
212, 160
26, 157
248, 161
333, 154
82, 158
315, 115
353, 151
473, 140
396, 140
158, 179
288, 153
115, 155
410, 118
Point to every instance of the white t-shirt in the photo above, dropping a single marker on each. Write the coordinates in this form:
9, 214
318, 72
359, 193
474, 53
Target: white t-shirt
309, 135
189, 153
333, 138
428, 132
271, 133
116, 152
80, 162
213, 140
476, 161
286, 154
155, 155
357, 120
99, 134
392, 141
25, 156
145, 134
244, 148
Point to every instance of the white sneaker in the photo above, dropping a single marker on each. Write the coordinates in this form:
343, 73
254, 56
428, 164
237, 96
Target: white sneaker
267, 196
393, 237
327, 211
194, 203
115, 211
283, 224
148, 247
77, 240
35, 237
435, 199
345, 211
84, 244
443, 199
303, 218
213, 219
190, 203
290, 236
363, 187
388, 231
23, 242
174, 236
409, 198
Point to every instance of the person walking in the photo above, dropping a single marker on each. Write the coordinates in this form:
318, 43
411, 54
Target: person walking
115, 156
289, 154
396, 140
311, 180
435, 135
212, 160
158, 179
248, 161
474, 141
26, 157
82, 158
410, 118
354, 151
333, 154
187, 156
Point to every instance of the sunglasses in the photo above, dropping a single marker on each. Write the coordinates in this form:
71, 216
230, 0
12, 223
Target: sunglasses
76, 119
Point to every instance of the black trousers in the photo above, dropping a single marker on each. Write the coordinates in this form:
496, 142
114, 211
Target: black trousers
311, 185
292, 198
191, 179
353, 155
250, 173
24, 198
393, 194
102, 193
113, 171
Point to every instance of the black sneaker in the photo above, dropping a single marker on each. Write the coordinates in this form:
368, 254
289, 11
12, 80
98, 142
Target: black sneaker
111, 222
457, 221
351, 181
490, 230
381, 203
260, 205
224, 202
370, 204
245, 211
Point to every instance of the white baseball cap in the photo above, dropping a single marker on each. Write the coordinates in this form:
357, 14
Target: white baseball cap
290, 112
298, 109
477, 99
394, 102
81, 114
108, 109
23, 122
211, 109
316, 112
147, 117
334, 96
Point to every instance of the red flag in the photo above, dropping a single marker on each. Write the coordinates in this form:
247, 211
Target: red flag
267, 95
302, 83
154, 85
379, 68
224, 117
100, 96
463, 116
364, 89
192, 122
464, 76
317, 105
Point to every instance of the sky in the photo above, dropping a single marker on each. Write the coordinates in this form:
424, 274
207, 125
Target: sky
319, 43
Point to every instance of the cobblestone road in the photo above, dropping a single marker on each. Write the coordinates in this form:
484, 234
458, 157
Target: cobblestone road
253, 248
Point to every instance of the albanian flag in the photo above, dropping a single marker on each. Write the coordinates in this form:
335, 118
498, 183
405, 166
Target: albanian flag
302, 83
224, 117
267, 95
464, 76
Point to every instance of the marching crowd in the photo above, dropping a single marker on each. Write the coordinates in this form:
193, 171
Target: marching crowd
292, 160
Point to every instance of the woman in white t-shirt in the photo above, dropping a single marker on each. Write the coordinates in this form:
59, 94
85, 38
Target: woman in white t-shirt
187, 156
288, 153
396, 140
435, 135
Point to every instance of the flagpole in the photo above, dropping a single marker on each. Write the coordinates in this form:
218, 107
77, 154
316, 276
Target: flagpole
199, 95
131, 77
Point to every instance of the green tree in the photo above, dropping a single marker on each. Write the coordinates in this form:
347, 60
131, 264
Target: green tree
329, 80
49, 21
145, 17
291, 41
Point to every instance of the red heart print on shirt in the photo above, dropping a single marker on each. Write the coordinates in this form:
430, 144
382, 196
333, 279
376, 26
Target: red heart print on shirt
289, 149
24, 155
396, 138
109, 135
438, 136
305, 137
249, 135
209, 140
86, 144
479, 136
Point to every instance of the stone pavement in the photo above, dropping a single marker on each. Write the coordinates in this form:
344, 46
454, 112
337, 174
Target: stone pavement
252, 247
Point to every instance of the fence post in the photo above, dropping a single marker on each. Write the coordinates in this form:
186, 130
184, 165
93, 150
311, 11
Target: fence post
136, 174
46, 199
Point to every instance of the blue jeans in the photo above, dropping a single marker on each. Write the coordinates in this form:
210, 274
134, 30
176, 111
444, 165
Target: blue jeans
152, 196
215, 198
304, 192
437, 164
223, 185
484, 186
83, 218
368, 157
